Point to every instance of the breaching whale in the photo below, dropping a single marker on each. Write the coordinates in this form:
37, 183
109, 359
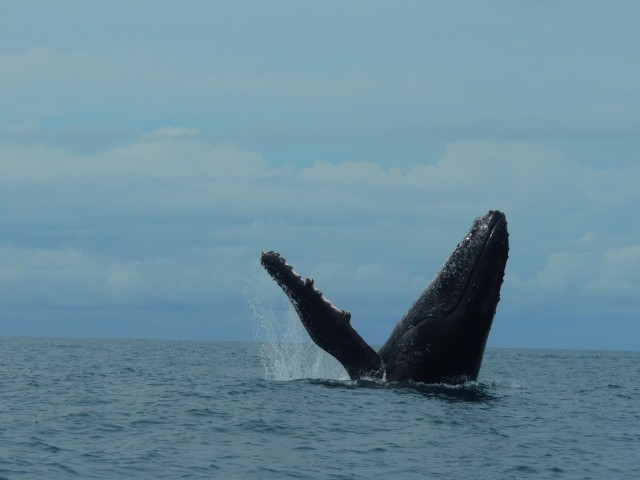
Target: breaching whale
441, 338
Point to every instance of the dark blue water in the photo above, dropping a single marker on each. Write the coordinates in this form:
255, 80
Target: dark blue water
148, 409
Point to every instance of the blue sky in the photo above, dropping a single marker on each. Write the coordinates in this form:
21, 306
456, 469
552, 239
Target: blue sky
150, 150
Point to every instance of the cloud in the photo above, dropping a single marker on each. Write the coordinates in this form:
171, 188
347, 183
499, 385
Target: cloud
170, 153
173, 222
352, 172
150, 168
566, 249
41, 83
73, 278
354, 93
43, 276
617, 276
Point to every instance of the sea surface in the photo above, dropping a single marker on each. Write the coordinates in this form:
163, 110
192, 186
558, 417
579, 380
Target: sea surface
116, 409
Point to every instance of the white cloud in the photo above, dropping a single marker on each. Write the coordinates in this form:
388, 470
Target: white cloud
114, 215
36, 276
42, 82
507, 167
71, 278
173, 132
172, 219
352, 172
617, 275
172, 154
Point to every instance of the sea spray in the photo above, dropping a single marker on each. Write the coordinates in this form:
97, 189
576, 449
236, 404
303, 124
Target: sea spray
286, 351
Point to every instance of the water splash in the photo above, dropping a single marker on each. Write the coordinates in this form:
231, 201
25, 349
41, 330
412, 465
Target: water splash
286, 350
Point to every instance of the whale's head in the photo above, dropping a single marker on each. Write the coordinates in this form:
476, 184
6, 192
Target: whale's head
459, 304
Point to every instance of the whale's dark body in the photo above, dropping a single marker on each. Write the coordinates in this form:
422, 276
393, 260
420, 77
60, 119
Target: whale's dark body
442, 336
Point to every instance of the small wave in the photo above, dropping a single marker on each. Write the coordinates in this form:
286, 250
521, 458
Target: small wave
502, 383
463, 392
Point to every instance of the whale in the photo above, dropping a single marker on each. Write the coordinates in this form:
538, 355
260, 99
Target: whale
442, 336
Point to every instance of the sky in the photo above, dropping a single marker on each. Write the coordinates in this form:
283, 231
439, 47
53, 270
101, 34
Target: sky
150, 150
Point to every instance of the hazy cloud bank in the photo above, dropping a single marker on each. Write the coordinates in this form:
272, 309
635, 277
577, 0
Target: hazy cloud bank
172, 222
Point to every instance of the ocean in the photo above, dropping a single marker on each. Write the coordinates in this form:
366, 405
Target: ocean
114, 409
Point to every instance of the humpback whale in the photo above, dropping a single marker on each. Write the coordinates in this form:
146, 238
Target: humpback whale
441, 338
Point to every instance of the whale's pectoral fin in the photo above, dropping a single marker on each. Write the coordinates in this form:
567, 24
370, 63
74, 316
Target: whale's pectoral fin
327, 326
